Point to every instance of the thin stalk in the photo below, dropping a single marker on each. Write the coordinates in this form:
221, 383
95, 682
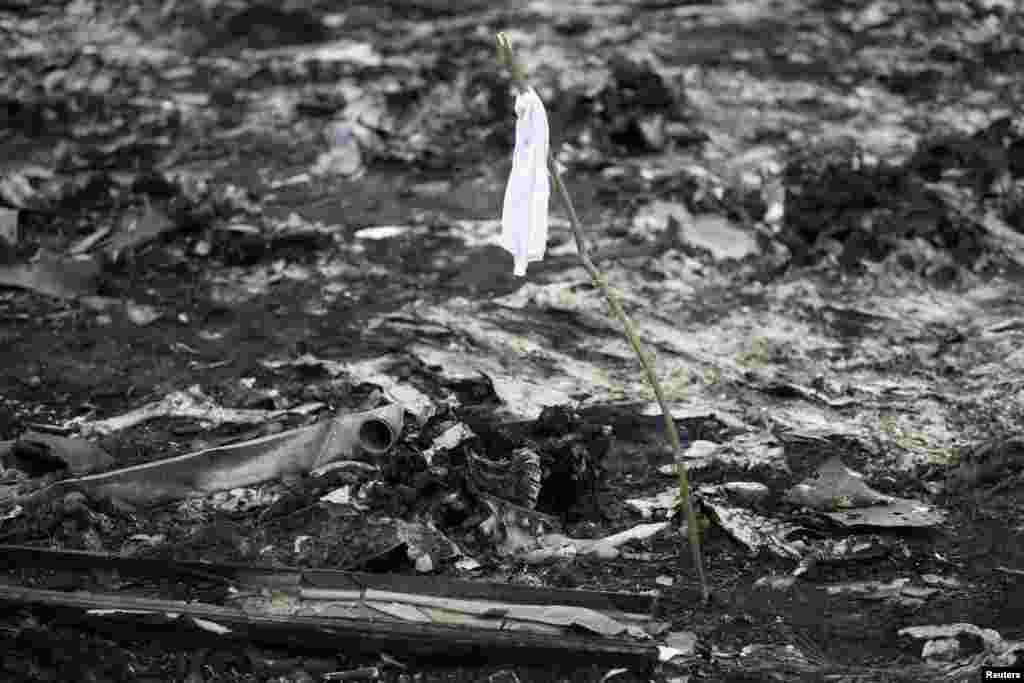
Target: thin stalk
507, 57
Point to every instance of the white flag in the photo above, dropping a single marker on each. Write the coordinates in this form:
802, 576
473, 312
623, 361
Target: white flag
524, 214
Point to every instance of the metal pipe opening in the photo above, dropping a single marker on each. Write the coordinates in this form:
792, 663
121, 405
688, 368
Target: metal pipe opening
376, 435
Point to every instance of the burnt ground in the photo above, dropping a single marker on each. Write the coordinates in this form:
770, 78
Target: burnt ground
814, 212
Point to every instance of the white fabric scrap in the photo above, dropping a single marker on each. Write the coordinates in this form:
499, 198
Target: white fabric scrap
524, 213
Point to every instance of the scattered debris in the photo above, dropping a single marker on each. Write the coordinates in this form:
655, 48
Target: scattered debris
344, 158
393, 612
678, 644
136, 230
453, 435
814, 221
899, 590
372, 371
53, 275
36, 453
608, 547
191, 403
996, 460
843, 496
243, 464
962, 649
382, 232
663, 502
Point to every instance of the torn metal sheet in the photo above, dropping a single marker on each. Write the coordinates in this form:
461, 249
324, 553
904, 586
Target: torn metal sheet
137, 230
747, 492
455, 434
242, 464
842, 495
333, 633
756, 532
997, 459
291, 580
191, 403
371, 371
720, 236
512, 528
425, 544
681, 644
374, 371
722, 409
607, 547
857, 547
943, 648
784, 539
432, 613
50, 451
834, 486
516, 479
810, 424
779, 387
518, 368
53, 275
523, 397
896, 513
899, 590
487, 613
662, 502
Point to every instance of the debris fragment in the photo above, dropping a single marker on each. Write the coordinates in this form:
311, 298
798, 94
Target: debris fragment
344, 157
136, 230
898, 590
16, 186
720, 237
516, 479
494, 626
663, 502
451, 437
190, 403
371, 371
512, 528
755, 531
382, 232
141, 314
608, 547
844, 497
32, 452
434, 613
681, 644
53, 275
361, 673
243, 464
943, 647
835, 485
998, 459
897, 513
8, 227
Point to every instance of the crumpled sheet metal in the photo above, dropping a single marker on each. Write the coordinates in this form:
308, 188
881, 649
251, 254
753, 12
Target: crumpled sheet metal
243, 464
328, 609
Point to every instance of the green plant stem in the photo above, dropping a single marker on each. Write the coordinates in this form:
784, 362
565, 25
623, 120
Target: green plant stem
507, 57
